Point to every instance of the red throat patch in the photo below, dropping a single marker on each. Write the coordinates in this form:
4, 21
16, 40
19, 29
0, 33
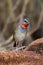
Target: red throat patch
24, 25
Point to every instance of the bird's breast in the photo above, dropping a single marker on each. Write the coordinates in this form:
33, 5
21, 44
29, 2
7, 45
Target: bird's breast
19, 36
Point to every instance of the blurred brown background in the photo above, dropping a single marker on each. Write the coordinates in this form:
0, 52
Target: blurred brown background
14, 11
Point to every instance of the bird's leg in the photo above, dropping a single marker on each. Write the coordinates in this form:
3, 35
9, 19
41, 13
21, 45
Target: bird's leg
20, 45
16, 44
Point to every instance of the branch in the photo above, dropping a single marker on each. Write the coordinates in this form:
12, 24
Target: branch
12, 14
23, 14
7, 42
34, 43
39, 22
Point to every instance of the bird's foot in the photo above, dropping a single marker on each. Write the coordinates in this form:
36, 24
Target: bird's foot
20, 48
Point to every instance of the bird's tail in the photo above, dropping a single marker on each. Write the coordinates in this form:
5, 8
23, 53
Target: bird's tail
14, 44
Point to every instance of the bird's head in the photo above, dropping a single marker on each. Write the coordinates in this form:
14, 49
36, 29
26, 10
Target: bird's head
25, 24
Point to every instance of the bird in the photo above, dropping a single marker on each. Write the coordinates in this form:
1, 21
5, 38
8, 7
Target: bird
21, 33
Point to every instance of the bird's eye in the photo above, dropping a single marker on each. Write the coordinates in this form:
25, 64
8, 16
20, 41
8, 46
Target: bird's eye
25, 21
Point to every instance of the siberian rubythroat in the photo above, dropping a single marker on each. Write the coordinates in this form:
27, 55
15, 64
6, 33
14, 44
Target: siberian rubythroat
21, 32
